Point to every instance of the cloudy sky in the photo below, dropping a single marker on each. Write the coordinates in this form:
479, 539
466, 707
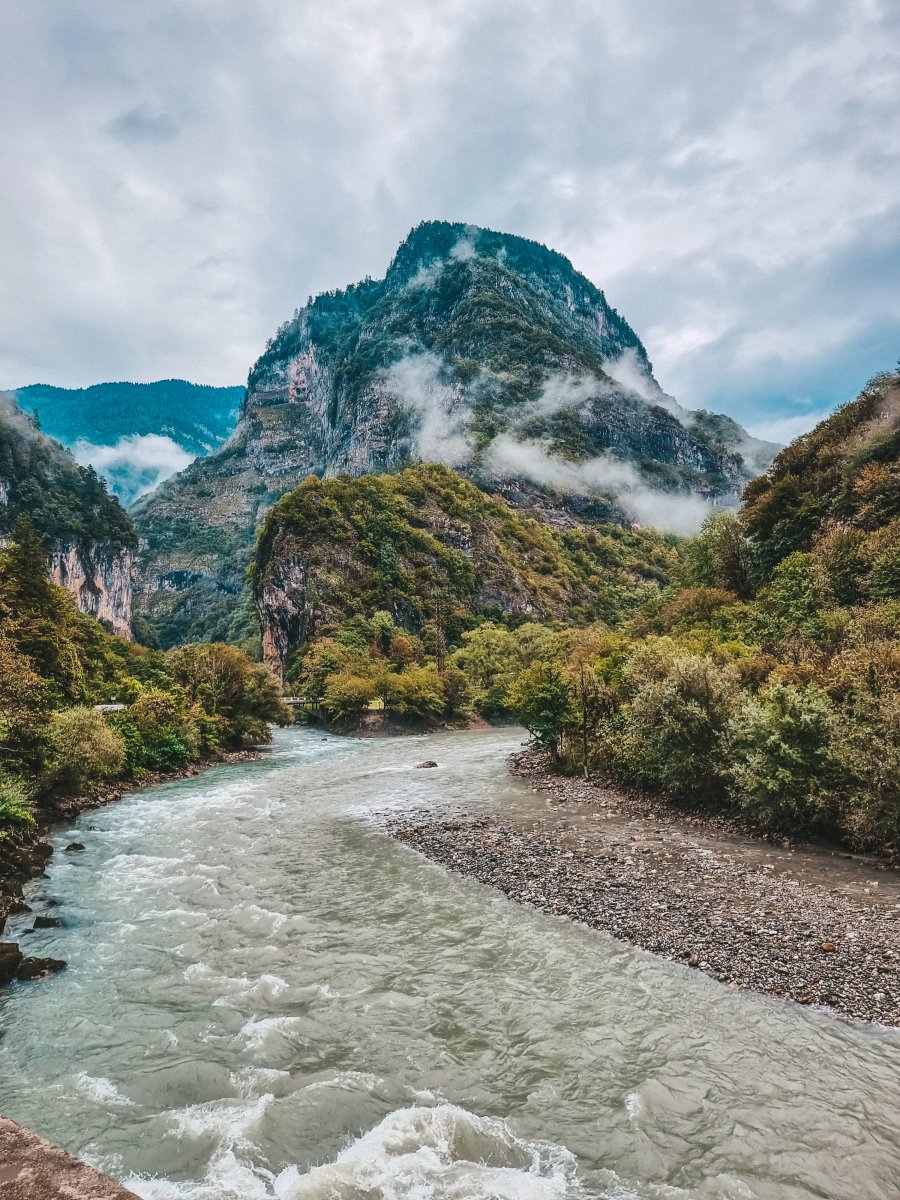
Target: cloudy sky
179, 175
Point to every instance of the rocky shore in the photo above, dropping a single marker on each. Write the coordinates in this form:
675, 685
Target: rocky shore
810, 924
25, 853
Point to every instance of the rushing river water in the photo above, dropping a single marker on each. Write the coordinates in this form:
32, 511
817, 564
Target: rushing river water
266, 996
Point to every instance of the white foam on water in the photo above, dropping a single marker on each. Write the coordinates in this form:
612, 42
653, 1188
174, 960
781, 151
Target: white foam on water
258, 1031
101, 1090
441, 1153
418, 1153
632, 1105
346, 1079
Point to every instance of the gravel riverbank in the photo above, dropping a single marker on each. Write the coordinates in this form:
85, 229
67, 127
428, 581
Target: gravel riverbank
813, 925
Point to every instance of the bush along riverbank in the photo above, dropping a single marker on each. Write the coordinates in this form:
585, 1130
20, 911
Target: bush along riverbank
813, 925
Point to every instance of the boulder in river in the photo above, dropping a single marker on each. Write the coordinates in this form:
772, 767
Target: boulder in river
427, 763
73, 847
37, 968
11, 958
46, 923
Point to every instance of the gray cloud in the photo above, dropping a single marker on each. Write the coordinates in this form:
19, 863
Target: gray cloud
727, 173
143, 124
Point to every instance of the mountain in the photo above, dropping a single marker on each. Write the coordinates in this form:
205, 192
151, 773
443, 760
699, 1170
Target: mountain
88, 536
486, 352
135, 434
334, 548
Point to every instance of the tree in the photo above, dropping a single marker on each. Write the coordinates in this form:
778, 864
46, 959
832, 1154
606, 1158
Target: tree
347, 696
242, 695
779, 746
542, 701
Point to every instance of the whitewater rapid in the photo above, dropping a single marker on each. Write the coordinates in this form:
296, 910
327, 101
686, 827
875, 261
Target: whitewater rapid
268, 997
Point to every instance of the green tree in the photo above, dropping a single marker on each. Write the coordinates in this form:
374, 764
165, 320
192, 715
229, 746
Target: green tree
781, 765
542, 701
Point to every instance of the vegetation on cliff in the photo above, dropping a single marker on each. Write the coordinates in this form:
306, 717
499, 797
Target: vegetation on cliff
57, 663
440, 557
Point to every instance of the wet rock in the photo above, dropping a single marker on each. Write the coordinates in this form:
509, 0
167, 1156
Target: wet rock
37, 968
74, 847
46, 923
11, 958
18, 907
427, 763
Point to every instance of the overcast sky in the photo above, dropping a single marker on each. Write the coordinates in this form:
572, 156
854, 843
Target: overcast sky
179, 175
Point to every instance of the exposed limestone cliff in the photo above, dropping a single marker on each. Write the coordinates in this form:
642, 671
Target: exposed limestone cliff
99, 577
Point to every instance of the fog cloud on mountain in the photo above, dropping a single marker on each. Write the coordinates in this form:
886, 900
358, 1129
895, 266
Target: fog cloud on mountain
134, 465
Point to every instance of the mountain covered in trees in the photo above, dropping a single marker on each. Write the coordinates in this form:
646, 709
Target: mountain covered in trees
753, 669
86, 535
487, 353
135, 434
197, 417
434, 552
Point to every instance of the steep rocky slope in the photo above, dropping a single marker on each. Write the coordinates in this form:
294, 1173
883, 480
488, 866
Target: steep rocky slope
485, 352
88, 535
424, 537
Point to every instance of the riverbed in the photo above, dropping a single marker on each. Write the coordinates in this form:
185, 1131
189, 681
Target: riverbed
267, 996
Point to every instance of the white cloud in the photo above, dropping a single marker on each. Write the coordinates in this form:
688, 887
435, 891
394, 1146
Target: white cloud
134, 465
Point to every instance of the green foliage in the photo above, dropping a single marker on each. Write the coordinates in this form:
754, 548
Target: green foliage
668, 733
782, 768
542, 701
84, 748
63, 501
451, 546
15, 802
56, 663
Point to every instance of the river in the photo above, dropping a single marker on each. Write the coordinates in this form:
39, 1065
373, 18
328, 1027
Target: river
268, 997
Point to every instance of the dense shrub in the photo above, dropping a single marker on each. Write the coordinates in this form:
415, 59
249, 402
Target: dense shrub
84, 748
15, 802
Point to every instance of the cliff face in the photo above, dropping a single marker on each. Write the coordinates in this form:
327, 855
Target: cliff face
89, 537
425, 538
485, 352
99, 577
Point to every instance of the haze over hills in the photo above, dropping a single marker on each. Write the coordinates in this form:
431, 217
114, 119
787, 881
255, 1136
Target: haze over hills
135, 434
482, 351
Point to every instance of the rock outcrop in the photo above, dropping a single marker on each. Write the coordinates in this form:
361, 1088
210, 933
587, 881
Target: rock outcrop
99, 577
425, 544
